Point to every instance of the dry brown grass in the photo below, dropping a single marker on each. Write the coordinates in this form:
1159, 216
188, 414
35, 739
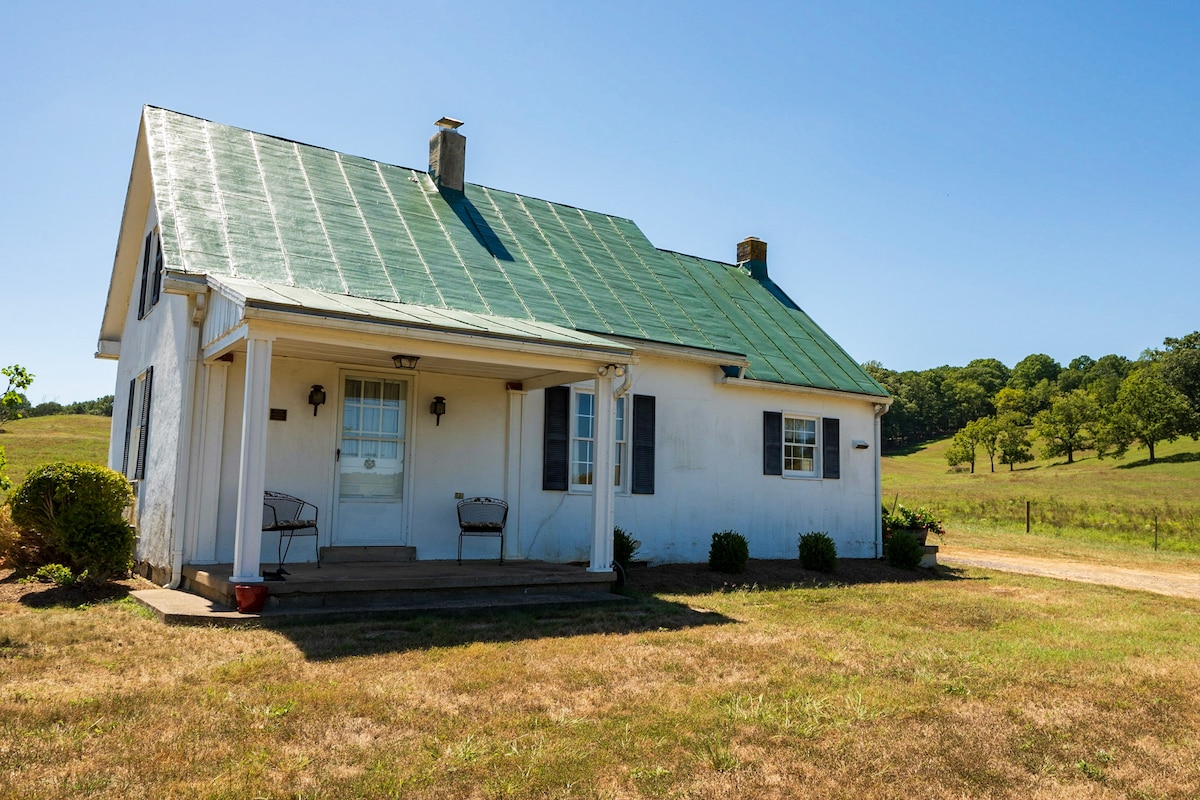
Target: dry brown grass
978, 685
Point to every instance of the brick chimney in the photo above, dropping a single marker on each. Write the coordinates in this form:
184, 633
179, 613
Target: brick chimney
448, 155
752, 254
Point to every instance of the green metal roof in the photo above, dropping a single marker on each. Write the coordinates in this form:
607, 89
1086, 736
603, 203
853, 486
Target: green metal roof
236, 203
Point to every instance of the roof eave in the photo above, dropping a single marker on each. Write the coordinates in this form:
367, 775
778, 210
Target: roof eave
138, 196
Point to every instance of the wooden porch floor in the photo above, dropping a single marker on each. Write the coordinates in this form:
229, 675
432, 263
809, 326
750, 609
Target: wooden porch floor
368, 584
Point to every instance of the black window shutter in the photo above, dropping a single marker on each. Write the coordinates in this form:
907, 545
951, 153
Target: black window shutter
158, 270
139, 471
556, 439
831, 448
128, 425
772, 443
643, 445
145, 275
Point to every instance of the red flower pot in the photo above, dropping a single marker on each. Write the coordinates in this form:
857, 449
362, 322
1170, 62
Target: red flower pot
251, 597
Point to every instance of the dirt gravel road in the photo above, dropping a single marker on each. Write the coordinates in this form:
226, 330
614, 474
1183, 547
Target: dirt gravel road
1176, 584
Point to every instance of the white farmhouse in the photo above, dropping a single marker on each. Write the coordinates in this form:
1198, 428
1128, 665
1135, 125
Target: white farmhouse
382, 341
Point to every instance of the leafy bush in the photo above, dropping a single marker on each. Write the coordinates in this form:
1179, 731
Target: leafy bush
78, 510
818, 552
903, 550
728, 552
24, 550
58, 575
625, 547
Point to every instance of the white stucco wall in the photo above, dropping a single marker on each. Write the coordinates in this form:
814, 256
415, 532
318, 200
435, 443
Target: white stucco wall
708, 470
158, 340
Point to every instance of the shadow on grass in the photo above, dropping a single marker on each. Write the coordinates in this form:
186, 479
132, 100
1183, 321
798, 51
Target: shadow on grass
653, 606
326, 640
51, 596
1174, 458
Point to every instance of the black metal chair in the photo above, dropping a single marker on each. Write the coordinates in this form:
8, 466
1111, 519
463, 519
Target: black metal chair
290, 517
482, 516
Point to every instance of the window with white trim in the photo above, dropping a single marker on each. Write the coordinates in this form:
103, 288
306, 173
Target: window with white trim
583, 441
799, 446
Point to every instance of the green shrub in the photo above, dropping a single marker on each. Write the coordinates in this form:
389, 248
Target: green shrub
78, 510
818, 552
58, 575
729, 552
625, 547
24, 550
903, 550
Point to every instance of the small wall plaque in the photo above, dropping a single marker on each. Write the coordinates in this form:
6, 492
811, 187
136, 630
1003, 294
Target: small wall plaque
279, 415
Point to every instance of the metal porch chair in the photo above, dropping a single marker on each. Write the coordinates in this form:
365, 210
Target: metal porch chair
482, 516
290, 517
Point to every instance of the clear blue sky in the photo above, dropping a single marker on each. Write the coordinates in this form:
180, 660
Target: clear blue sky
937, 182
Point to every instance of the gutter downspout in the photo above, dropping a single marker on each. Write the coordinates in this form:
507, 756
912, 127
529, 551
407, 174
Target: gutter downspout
627, 371
183, 458
880, 410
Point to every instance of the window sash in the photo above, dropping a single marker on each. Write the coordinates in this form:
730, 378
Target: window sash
799, 446
583, 441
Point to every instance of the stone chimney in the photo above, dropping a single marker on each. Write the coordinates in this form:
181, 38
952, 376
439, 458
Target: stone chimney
448, 155
752, 254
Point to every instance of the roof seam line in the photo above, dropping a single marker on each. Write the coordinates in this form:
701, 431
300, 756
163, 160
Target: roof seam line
450, 242
412, 239
262, 176
212, 166
320, 218
554, 251
367, 228
517, 241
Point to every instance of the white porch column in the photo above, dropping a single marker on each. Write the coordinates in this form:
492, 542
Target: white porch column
202, 515
602, 478
252, 471
512, 473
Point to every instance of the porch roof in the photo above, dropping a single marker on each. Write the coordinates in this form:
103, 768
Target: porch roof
246, 295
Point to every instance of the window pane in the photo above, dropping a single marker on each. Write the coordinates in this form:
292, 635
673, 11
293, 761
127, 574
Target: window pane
391, 393
584, 416
350, 418
353, 389
391, 420
372, 390
370, 420
581, 463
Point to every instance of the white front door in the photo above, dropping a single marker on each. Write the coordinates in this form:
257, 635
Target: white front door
371, 462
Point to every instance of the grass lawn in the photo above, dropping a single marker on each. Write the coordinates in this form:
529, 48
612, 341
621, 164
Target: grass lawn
34, 441
1092, 508
973, 685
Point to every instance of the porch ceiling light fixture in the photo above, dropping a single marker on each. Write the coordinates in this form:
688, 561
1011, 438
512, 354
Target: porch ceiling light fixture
405, 362
316, 397
437, 408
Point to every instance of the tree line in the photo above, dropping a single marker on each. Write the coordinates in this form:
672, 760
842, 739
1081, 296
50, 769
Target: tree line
1105, 404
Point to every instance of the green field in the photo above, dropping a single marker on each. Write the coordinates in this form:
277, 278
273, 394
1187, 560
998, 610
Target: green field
34, 441
1093, 502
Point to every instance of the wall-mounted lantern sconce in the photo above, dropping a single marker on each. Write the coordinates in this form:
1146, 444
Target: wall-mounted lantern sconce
438, 407
316, 397
405, 362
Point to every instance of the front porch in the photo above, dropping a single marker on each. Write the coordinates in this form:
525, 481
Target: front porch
206, 593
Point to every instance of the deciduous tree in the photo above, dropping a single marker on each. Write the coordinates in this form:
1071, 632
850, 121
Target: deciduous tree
1065, 427
1013, 440
1148, 410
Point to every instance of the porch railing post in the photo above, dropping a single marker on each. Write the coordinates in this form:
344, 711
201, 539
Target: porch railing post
253, 465
602, 477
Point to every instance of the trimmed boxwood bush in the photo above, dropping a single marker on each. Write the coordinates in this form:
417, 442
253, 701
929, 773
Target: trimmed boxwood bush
78, 510
903, 550
729, 552
818, 552
625, 547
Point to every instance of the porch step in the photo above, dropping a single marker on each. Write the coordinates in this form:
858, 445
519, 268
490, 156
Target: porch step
379, 585
367, 555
